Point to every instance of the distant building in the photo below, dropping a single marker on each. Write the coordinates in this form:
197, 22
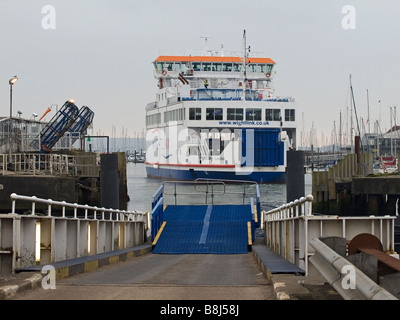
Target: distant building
382, 144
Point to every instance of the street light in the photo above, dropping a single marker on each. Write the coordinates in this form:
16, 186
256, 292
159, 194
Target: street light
11, 82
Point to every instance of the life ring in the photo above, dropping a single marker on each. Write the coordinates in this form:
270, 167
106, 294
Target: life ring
164, 73
268, 74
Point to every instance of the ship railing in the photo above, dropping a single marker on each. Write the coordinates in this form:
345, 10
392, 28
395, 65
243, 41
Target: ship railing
220, 95
233, 94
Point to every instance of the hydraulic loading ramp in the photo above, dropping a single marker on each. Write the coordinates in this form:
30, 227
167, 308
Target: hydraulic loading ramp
208, 228
68, 119
217, 229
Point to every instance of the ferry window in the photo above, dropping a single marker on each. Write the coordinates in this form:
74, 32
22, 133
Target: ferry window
196, 66
253, 114
214, 114
263, 68
177, 66
289, 115
218, 113
206, 66
250, 67
193, 151
237, 67
185, 66
234, 114
257, 68
153, 119
159, 66
173, 115
269, 67
273, 114
217, 67
194, 113
168, 66
227, 67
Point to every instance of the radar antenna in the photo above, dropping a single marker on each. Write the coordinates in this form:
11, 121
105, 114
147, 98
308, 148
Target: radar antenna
206, 52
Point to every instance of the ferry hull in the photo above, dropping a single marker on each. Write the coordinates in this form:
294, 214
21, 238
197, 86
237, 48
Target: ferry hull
188, 174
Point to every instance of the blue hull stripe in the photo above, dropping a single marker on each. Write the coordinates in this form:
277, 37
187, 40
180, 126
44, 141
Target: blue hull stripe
193, 174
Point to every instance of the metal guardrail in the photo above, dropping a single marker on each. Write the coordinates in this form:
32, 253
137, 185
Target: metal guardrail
117, 213
296, 208
209, 188
53, 164
56, 231
35, 163
289, 228
331, 265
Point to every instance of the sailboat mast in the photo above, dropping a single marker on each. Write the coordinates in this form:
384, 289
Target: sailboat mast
340, 130
369, 122
355, 109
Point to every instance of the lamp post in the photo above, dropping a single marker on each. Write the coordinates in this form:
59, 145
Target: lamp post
11, 82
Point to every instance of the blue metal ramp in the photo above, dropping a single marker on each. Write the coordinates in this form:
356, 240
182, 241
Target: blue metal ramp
218, 229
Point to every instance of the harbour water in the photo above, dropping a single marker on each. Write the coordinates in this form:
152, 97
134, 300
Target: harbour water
141, 189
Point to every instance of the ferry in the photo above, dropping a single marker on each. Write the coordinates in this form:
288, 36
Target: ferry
215, 116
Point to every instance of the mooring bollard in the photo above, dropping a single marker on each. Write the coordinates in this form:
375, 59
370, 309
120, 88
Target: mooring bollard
295, 188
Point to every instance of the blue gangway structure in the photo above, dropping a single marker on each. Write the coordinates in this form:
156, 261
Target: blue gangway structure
69, 119
212, 227
81, 123
56, 127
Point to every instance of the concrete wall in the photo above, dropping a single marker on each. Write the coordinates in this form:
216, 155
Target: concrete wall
48, 187
83, 187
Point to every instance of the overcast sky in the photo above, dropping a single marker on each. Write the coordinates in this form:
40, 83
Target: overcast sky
100, 53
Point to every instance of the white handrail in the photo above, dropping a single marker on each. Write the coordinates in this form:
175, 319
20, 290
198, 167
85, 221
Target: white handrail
119, 214
290, 210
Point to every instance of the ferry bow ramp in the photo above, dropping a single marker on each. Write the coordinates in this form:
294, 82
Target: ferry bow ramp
215, 229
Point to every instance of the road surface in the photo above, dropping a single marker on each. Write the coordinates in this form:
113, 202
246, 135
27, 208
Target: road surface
165, 277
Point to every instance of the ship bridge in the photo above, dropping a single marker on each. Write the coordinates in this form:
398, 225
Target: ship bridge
213, 66
224, 74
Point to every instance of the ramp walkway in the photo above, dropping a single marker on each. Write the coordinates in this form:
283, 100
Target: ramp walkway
218, 229
211, 227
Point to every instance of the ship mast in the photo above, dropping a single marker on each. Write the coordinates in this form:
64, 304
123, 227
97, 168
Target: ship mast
206, 51
245, 55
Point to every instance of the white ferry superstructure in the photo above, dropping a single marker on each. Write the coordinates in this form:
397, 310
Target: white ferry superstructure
216, 117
